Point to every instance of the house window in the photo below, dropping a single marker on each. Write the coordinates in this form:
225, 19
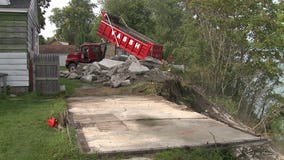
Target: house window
5, 2
33, 39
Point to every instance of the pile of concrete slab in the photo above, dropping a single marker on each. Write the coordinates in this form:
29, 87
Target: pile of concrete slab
117, 73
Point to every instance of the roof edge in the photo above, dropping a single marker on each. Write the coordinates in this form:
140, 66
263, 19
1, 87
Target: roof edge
15, 10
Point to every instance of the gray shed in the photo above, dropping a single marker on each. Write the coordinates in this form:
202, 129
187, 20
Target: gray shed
19, 30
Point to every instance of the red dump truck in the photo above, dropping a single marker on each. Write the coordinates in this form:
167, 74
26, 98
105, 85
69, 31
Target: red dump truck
127, 38
112, 30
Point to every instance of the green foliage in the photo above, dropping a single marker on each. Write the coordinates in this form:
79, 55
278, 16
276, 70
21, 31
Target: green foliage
196, 154
71, 85
95, 26
227, 103
233, 48
41, 40
42, 6
74, 22
136, 13
148, 88
24, 132
277, 131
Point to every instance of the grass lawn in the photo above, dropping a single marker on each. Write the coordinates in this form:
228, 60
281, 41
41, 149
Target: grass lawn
24, 133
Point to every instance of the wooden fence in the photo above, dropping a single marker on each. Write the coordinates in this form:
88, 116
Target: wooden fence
46, 73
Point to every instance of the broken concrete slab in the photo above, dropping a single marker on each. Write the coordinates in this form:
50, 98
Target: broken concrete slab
73, 75
137, 68
131, 59
108, 63
93, 68
156, 75
117, 79
96, 64
125, 83
151, 62
136, 124
87, 78
120, 57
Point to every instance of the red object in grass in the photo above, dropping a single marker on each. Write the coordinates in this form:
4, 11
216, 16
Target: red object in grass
52, 122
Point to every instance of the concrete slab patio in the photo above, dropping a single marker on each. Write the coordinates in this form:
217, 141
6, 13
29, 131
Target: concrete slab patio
136, 124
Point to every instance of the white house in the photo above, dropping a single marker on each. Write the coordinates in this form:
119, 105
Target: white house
19, 30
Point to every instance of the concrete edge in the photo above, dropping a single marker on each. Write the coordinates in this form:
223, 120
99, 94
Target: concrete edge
208, 146
80, 137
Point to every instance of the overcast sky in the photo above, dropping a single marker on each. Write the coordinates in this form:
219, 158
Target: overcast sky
50, 27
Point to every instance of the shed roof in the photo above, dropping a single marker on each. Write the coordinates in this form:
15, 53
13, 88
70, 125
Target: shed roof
58, 49
54, 41
17, 4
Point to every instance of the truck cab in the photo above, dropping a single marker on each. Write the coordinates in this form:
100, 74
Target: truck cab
88, 53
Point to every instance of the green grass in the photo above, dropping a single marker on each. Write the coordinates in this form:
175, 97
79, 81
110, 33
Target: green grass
195, 154
71, 85
63, 68
24, 133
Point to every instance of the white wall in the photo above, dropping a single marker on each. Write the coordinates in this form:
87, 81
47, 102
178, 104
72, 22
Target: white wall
15, 65
62, 59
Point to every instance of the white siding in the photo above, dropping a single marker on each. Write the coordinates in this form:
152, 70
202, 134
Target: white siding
62, 59
15, 65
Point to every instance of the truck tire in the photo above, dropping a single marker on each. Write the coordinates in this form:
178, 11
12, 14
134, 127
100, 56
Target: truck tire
72, 67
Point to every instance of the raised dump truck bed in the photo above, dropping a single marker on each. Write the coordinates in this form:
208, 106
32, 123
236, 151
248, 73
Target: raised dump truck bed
127, 38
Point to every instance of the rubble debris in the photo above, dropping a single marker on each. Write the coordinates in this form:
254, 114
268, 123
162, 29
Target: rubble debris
137, 68
73, 75
87, 78
132, 58
156, 75
125, 83
117, 79
119, 73
120, 57
64, 74
108, 63
151, 62
257, 152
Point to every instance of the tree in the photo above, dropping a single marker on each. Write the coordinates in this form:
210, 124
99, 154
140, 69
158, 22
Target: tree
241, 45
42, 40
167, 16
74, 22
136, 13
42, 6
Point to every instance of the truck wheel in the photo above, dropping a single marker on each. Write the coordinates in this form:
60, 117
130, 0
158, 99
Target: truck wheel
72, 67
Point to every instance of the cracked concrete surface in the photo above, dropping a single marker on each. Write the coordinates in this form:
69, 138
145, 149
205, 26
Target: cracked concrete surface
136, 124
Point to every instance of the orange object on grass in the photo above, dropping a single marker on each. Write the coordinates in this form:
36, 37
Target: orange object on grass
52, 122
